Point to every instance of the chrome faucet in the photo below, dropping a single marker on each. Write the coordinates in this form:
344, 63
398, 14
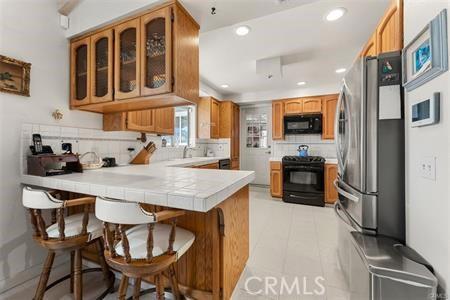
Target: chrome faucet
185, 151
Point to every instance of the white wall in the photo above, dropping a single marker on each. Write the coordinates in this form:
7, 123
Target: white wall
29, 31
427, 204
90, 14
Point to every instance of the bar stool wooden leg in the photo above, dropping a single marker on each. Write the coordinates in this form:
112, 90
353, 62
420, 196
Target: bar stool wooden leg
72, 261
123, 288
44, 276
174, 282
159, 288
102, 261
78, 290
137, 289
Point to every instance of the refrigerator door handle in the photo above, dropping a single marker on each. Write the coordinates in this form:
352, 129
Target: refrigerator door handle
336, 129
337, 208
345, 193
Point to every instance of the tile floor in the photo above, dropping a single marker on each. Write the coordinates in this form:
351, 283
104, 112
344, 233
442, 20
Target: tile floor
292, 248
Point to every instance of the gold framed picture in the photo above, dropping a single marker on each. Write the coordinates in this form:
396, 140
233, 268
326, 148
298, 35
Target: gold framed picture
14, 76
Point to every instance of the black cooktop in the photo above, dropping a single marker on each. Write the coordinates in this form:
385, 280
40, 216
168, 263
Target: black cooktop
299, 159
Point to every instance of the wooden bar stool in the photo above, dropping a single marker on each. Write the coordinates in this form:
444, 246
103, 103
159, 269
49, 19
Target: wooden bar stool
150, 248
68, 234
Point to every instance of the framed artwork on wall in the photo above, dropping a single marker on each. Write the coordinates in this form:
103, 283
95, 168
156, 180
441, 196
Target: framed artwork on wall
426, 56
14, 76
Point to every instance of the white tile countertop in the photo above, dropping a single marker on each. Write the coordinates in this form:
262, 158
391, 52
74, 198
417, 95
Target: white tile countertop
327, 160
165, 183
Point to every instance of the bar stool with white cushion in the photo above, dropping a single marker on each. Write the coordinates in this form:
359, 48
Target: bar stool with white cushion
69, 233
146, 247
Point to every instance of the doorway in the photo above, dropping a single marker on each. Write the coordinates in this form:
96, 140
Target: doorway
256, 141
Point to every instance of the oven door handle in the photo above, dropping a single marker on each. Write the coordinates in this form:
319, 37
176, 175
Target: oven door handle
301, 197
308, 168
345, 193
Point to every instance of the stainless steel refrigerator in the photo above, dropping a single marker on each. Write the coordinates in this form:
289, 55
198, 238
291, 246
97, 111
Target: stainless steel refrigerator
369, 137
369, 133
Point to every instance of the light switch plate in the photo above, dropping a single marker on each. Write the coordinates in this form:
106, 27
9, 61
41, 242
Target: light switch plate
427, 167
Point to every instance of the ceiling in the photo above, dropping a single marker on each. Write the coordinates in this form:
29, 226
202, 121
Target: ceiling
229, 12
311, 48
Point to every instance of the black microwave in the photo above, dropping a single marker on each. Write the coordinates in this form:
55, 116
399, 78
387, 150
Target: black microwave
305, 124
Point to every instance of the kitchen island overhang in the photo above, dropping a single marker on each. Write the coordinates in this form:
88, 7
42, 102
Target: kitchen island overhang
217, 205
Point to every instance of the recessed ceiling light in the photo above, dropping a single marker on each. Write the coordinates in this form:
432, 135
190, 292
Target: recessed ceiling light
225, 86
341, 70
336, 14
301, 83
242, 30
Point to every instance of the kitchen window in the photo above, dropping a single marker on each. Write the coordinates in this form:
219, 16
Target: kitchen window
184, 127
256, 125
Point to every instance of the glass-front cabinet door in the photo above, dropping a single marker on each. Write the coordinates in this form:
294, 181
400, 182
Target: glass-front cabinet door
127, 60
102, 66
79, 73
156, 41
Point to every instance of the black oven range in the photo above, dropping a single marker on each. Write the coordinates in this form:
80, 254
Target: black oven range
303, 180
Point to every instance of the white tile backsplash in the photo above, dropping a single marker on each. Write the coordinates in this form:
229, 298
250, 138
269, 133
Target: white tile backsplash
111, 144
317, 146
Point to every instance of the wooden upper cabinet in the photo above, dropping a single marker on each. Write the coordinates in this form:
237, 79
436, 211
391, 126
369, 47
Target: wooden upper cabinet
278, 120
146, 61
165, 120
313, 105
329, 104
370, 49
390, 30
208, 118
293, 106
156, 54
127, 59
102, 66
80, 77
142, 121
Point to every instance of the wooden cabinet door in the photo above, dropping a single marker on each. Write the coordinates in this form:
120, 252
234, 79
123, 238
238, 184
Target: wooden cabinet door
331, 194
142, 121
328, 116
156, 54
370, 49
390, 29
293, 106
101, 66
313, 105
80, 77
235, 134
277, 120
115, 121
164, 120
276, 179
127, 46
215, 128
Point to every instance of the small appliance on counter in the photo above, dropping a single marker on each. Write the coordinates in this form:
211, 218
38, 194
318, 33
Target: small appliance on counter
109, 162
303, 180
303, 150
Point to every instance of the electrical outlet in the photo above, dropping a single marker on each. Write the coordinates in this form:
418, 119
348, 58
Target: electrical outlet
427, 167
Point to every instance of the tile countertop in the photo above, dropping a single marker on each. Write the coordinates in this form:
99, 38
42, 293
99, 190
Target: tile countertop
165, 183
327, 160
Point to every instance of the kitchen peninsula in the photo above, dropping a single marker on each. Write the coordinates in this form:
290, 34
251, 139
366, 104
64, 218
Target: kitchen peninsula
217, 205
